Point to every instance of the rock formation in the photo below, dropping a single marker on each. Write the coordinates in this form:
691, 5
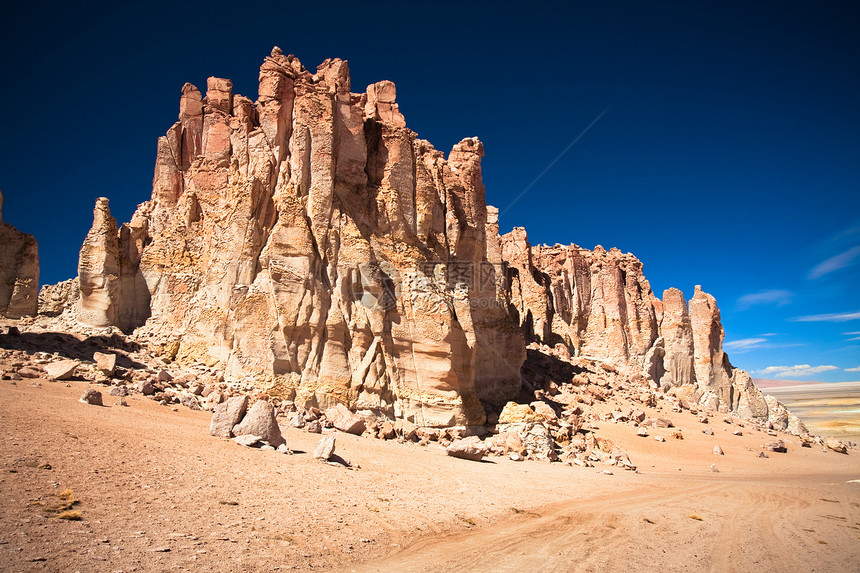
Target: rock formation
601, 307
112, 291
312, 242
19, 271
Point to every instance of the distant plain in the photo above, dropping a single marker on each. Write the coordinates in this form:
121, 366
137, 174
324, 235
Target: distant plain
827, 409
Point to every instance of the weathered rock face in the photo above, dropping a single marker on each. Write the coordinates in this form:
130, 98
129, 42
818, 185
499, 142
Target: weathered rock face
312, 242
58, 298
600, 305
19, 271
597, 302
112, 291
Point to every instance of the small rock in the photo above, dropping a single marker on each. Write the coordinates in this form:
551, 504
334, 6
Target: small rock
189, 401
146, 388
120, 402
247, 440
325, 449
165, 376
762, 455
660, 438
718, 451
776, 446
607, 472
738, 433
284, 449
30, 372
642, 432
515, 456
313, 427
92, 396
714, 468
708, 431
118, 391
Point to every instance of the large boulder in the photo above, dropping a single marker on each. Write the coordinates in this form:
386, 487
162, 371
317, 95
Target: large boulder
471, 448
261, 421
61, 370
226, 415
344, 420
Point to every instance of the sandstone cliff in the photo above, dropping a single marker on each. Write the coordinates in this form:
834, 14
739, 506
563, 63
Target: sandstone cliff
313, 243
19, 271
600, 306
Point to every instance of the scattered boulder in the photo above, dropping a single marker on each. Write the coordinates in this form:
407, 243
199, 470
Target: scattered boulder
344, 420
471, 448
118, 391
92, 396
775, 446
718, 451
514, 413
313, 427
325, 449
261, 421
227, 415
836, 445
105, 363
189, 401
248, 440
146, 388
62, 370
31, 372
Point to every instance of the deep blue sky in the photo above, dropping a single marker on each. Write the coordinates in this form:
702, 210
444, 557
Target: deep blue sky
729, 155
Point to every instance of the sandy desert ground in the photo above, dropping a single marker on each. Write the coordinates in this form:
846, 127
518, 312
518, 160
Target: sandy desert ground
157, 493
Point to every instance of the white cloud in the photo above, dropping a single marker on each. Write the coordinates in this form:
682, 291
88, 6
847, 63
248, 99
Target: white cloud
833, 317
835, 263
796, 370
853, 339
853, 369
777, 297
744, 344
851, 333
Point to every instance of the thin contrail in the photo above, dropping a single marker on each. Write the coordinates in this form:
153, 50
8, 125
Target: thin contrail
553, 162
